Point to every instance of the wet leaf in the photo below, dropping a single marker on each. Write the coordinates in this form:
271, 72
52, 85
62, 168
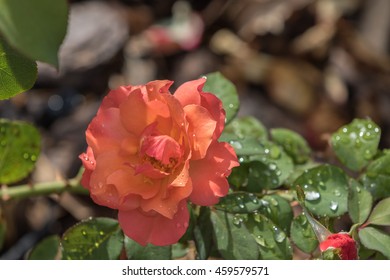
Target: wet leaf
93, 239
293, 144
20, 145
134, 251
203, 238
375, 239
272, 241
232, 238
302, 234
356, 144
17, 72
35, 28
47, 249
325, 188
278, 210
376, 179
246, 127
224, 90
239, 202
359, 202
381, 213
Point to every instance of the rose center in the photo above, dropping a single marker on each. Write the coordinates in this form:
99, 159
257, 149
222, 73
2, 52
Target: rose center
161, 151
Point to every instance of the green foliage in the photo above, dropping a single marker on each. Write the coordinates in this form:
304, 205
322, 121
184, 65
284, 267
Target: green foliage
232, 238
20, 145
302, 234
17, 72
331, 254
326, 191
35, 28
273, 242
376, 179
293, 143
224, 90
359, 202
47, 249
381, 213
203, 238
134, 251
375, 239
356, 144
245, 127
93, 239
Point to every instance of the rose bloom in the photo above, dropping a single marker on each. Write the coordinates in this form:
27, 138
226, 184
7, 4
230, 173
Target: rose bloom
343, 242
150, 152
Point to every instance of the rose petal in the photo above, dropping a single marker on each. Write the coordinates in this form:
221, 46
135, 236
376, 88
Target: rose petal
201, 129
215, 108
209, 174
105, 131
189, 92
153, 228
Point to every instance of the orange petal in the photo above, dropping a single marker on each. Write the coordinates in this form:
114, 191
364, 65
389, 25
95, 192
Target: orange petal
214, 105
167, 200
105, 132
209, 174
115, 97
189, 92
153, 228
201, 129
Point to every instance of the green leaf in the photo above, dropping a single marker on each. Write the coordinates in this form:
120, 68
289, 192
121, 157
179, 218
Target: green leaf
375, 239
278, 210
246, 127
325, 188
203, 238
35, 28
381, 214
19, 149
93, 239
17, 72
331, 254
134, 251
2, 234
302, 234
47, 249
376, 179
272, 242
224, 90
179, 250
264, 165
232, 238
239, 202
356, 144
293, 143
359, 202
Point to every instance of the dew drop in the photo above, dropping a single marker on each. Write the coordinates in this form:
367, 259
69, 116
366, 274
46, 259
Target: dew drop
312, 195
275, 152
185, 224
272, 166
279, 235
231, 106
83, 232
101, 232
260, 240
97, 244
242, 206
337, 192
26, 155
33, 158
334, 206
178, 225
237, 221
274, 202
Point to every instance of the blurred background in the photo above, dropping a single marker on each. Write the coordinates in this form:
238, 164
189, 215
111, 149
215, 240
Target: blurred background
307, 65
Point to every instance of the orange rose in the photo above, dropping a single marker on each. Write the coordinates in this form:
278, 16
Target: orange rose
149, 152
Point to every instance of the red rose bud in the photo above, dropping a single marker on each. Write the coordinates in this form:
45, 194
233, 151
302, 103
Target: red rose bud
342, 242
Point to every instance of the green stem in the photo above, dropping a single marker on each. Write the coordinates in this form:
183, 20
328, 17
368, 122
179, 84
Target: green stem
46, 188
